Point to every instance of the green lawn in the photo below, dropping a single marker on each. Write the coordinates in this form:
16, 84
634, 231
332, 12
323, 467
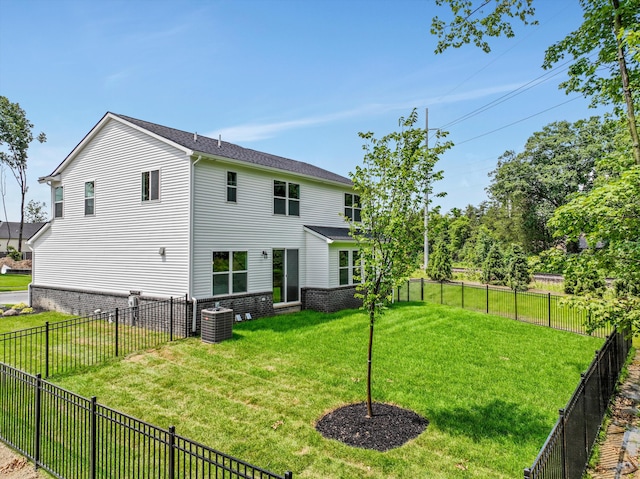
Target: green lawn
491, 388
538, 308
14, 282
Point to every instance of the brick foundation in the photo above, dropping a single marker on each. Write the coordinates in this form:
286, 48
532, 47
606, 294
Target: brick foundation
330, 300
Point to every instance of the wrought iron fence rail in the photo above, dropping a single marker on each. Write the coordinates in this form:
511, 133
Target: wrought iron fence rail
70, 436
543, 309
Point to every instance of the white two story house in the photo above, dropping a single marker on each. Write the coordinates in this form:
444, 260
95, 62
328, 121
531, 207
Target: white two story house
142, 207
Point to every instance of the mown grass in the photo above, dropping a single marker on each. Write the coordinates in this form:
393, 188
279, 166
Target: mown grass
24, 321
490, 387
538, 308
14, 282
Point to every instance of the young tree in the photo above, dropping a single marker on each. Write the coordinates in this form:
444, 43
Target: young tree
396, 174
35, 212
440, 264
493, 268
518, 275
15, 137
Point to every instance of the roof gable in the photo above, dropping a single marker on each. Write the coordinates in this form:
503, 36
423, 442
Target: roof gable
194, 144
11, 229
222, 149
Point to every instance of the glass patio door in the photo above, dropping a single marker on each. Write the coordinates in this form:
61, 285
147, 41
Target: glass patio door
286, 285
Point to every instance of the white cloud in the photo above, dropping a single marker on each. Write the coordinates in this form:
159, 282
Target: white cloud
260, 131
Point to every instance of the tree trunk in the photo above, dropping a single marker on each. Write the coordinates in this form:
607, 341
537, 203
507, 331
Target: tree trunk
371, 322
624, 74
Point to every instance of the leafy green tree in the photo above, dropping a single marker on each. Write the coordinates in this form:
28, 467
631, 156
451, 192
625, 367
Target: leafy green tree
460, 232
440, 263
518, 275
467, 27
35, 212
15, 137
557, 162
602, 69
493, 268
397, 170
609, 216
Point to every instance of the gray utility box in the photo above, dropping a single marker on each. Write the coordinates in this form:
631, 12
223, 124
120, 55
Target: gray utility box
217, 325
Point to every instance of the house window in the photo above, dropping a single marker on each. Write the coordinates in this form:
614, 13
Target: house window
352, 207
150, 185
229, 272
349, 267
89, 198
58, 201
286, 198
232, 187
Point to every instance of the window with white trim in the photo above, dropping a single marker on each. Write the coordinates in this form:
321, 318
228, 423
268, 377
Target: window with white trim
58, 202
89, 198
230, 272
151, 185
286, 198
352, 207
232, 187
349, 267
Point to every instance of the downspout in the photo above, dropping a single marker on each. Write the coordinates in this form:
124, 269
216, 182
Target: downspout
191, 208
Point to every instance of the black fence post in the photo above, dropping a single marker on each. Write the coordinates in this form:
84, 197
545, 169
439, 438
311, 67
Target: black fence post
515, 302
527, 473
117, 338
288, 475
172, 452
549, 307
186, 315
564, 443
441, 292
171, 319
94, 437
421, 289
46, 350
38, 421
487, 299
408, 290
462, 291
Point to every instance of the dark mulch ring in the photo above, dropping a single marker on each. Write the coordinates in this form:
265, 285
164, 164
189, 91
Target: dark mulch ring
390, 427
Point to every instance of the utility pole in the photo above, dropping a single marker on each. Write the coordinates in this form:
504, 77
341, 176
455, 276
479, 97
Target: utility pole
426, 196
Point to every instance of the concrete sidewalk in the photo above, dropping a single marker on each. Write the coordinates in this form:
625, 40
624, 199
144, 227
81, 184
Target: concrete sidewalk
619, 453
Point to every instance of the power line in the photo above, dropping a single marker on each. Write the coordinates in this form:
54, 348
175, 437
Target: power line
518, 121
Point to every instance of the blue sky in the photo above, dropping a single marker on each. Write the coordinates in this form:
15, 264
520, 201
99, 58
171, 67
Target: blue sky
295, 78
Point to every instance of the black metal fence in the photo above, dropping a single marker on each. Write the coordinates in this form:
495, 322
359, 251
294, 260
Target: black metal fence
544, 309
65, 346
70, 436
566, 452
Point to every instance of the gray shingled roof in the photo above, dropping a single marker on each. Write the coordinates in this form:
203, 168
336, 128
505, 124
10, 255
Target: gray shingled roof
332, 233
28, 230
209, 146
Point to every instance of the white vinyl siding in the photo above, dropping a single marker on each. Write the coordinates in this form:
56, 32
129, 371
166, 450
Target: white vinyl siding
251, 226
118, 250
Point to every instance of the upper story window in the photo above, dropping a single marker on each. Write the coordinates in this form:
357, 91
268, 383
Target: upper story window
89, 198
349, 267
229, 272
58, 202
352, 207
286, 198
150, 185
232, 186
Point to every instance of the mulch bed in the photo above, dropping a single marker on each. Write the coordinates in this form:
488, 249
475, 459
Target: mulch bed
390, 427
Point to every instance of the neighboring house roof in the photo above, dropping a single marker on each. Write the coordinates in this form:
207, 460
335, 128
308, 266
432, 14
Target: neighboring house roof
12, 229
331, 233
195, 144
